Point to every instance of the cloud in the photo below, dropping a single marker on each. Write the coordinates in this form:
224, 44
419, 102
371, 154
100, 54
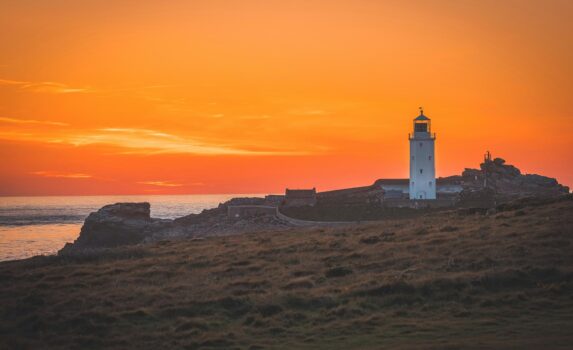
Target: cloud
57, 174
11, 82
16, 136
309, 112
146, 141
161, 183
31, 121
60, 88
256, 117
53, 88
45, 87
139, 131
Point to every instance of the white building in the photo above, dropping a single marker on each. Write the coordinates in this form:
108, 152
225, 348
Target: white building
422, 159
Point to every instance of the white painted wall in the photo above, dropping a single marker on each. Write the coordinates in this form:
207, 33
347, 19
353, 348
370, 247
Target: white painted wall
449, 188
404, 188
422, 157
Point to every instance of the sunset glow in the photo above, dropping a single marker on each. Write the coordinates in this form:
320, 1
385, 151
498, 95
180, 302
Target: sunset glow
225, 96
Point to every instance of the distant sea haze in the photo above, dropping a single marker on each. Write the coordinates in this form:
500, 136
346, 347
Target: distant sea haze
42, 225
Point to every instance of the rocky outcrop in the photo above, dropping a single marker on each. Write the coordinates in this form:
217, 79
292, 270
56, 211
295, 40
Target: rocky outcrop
130, 223
113, 225
216, 222
497, 182
242, 201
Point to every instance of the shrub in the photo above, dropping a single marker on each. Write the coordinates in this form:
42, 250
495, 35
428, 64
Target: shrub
338, 272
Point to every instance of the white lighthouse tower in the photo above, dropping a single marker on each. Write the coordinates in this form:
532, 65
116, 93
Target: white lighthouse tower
422, 159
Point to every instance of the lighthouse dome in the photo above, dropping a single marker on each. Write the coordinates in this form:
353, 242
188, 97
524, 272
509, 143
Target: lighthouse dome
422, 123
421, 116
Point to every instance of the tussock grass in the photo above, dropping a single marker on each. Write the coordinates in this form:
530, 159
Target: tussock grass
457, 279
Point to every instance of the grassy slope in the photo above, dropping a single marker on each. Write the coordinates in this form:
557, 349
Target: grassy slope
444, 282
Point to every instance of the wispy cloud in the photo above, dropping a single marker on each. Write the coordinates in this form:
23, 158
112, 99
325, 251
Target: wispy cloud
16, 136
31, 121
46, 173
45, 86
161, 183
142, 88
61, 88
148, 132
146, 141
308, 112
10, 82
256, 117
53, 88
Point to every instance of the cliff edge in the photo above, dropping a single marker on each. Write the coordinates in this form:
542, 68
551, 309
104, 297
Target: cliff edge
111, 226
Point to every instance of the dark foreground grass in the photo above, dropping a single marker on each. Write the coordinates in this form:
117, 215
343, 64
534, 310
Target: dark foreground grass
448, 281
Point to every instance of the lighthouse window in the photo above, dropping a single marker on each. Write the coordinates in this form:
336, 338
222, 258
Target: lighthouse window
412, 157
430, 183
429, 157
421, 171
421, 144
421, 127
412, 183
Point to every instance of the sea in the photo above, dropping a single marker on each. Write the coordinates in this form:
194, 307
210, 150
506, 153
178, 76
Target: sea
32, 226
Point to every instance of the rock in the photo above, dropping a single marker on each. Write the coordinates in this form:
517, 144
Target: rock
113, 225
538, 180
477, 197
130, 223
242, 201
497, 182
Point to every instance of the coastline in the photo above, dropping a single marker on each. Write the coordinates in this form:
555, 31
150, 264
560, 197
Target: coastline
443, 280
35, 223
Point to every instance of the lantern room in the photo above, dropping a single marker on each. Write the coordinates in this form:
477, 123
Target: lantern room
422, 123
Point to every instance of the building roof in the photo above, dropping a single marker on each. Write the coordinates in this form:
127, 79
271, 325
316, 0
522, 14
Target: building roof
342, 191
422, 116
392, 182
450, 180
300, 193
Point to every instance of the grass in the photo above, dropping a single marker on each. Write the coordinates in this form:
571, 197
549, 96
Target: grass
446, 280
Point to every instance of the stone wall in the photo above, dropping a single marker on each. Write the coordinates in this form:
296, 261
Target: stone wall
423, 203
357, 195
300, 198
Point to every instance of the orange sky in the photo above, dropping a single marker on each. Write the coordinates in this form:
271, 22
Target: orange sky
213, 96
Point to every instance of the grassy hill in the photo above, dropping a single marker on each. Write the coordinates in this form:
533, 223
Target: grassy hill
444, 280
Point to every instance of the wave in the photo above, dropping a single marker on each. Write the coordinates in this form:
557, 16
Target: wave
25, 220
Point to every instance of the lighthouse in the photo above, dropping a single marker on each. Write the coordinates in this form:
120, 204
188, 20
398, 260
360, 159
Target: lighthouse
422, 159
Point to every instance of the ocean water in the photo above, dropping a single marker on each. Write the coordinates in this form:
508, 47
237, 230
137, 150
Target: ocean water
42, 225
